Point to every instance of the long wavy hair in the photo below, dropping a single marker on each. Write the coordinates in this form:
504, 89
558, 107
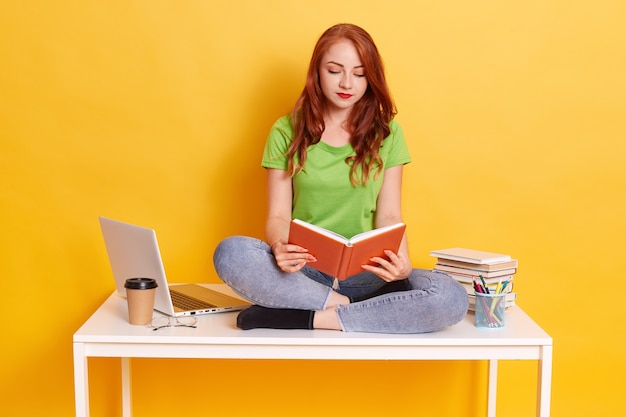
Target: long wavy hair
368, 122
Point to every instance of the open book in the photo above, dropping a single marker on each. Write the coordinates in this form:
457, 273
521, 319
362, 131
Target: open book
341, 257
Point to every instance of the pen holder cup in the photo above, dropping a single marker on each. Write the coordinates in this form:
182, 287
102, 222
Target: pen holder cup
490, 310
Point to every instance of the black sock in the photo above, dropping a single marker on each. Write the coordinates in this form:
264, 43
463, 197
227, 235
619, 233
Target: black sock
257, 317
393, 286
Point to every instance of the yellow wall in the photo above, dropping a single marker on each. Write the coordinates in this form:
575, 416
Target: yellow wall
155, 112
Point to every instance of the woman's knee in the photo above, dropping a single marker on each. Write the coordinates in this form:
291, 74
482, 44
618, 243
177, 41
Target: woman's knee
456, 299
233, 253
448, 299
224, 251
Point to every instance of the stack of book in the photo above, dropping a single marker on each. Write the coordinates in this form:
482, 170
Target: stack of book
489, 269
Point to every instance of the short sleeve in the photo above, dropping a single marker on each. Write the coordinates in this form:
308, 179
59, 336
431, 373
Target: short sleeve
277, 144
394, 150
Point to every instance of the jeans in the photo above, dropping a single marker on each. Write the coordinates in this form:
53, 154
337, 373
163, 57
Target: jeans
434, 300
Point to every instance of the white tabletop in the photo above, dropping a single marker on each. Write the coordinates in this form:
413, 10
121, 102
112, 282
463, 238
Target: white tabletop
109, 324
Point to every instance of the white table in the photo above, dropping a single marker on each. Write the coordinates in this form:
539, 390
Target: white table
107, 334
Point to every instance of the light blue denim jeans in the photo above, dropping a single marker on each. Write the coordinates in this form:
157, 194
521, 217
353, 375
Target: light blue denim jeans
434, 301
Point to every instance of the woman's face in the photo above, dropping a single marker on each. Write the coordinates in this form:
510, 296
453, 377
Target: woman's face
342, 76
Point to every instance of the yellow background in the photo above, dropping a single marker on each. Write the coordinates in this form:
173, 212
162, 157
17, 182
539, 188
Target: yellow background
155, 112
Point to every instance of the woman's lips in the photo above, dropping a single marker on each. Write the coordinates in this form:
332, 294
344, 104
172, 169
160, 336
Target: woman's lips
344, 95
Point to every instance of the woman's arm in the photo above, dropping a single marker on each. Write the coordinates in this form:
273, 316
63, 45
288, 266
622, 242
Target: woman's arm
388, 212
290, 258
279, 198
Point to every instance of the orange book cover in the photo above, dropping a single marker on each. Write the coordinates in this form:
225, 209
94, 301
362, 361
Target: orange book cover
341, 257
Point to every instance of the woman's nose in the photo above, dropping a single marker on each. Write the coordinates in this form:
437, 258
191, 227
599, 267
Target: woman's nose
346, 81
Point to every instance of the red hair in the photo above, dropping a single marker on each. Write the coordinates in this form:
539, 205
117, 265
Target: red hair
369, 119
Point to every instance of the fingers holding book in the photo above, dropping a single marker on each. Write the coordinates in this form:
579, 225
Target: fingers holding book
393, 268
291, 258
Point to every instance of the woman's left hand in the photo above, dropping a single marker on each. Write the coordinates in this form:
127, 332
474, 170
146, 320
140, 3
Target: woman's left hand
396, 268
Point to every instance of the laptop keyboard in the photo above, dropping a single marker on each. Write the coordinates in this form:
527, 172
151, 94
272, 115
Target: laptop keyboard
185, 302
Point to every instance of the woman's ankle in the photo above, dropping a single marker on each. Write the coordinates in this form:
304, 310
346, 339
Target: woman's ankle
326, 319
335, 299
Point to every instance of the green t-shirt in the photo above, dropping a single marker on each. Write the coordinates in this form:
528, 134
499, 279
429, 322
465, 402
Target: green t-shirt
322, 192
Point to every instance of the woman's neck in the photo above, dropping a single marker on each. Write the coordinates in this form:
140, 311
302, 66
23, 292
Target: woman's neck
335, 129
336, 117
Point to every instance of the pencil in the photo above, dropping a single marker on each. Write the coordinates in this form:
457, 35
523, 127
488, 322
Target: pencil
484, 284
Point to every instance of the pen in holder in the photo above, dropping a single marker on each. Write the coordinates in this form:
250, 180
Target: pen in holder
490, 310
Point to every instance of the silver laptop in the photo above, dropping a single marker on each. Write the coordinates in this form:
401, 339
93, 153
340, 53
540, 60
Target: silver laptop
134, 252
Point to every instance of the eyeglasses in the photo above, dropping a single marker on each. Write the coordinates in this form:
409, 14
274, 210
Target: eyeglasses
161, 322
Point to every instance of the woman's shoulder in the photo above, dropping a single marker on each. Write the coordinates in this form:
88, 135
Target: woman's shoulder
282, 132
394, 126
284, 123
395, 132
394, 148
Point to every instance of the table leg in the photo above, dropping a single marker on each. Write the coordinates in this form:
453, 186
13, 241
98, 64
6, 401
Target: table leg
544, 382
81, 381
492, 387
127, 410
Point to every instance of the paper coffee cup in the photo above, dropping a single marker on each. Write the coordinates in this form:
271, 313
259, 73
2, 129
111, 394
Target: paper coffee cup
140, 294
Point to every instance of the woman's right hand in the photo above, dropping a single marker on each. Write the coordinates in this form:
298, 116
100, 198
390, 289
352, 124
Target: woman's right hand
291, 258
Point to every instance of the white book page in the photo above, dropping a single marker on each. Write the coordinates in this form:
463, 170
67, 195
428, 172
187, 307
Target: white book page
322, 231
365, 235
